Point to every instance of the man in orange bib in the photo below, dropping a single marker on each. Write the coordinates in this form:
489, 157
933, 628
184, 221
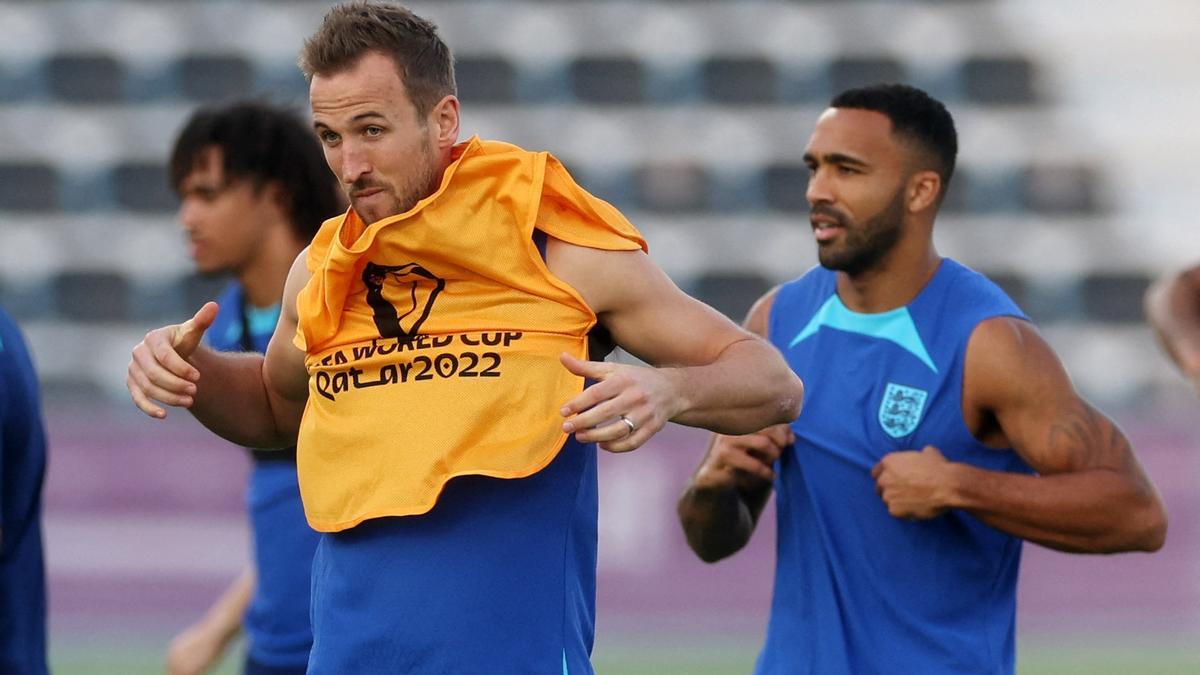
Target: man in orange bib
443, 379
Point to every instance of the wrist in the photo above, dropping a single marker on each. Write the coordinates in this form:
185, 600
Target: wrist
959, 478
677, 380
711, 480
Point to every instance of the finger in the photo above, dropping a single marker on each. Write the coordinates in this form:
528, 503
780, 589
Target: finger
596, 405
767, 455
631, 441
148, 362
589, 398
144, 404
780, 434
731, 454
611, 429
590, 369
762, 444
189, 333
160, 344
154, 392
753, 466
877, 470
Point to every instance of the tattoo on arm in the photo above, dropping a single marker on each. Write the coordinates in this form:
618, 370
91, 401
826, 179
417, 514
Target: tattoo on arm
1083, 439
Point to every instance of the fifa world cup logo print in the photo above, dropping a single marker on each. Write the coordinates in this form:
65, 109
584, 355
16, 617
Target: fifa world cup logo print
400, 297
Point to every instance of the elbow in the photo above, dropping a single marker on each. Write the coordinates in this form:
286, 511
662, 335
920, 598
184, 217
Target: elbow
1143, 529
705, 549
1152, 529
790, 400
707, 546
1147, 521
709, 556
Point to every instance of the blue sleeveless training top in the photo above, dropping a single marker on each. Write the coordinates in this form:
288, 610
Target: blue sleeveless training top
858, 591
277, 623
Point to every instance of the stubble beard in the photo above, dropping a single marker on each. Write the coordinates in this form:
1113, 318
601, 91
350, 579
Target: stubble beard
404, 197
865, 246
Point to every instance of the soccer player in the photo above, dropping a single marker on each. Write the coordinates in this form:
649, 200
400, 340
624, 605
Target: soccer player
22, 472
431, 358
254, 188
940, 429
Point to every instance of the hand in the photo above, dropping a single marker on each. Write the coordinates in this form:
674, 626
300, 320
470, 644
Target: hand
159, 370
914, 485
645, 396
745, 461
194, 651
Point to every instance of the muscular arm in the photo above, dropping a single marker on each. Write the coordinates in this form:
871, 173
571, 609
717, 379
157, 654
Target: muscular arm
1173, 308
249, 399
722, 502
710, 372
1090, 493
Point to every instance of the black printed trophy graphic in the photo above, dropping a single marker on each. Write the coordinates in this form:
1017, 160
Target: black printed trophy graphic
401, 297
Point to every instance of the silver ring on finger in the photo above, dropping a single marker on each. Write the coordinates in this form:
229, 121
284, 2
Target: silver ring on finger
629, 423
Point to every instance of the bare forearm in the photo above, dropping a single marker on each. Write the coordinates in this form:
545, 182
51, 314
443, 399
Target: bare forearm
1091, 511
232, 400
748, 387
224, 618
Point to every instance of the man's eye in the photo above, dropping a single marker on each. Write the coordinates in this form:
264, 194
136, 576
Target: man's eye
373, 131
329, 137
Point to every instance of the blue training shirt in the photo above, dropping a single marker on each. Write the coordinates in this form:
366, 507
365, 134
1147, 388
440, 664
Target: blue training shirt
858, 591
22, 472
499, 577
277, 624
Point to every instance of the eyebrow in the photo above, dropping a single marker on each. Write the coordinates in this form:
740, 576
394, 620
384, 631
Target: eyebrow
370, 114
835, 158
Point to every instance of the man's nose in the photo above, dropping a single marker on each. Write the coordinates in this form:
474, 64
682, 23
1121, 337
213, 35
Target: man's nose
355, 163
818, 189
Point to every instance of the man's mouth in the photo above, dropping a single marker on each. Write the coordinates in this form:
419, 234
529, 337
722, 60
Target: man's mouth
366, 192
825, 229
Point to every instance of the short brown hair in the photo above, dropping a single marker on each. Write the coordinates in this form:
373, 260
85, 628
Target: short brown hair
352, 29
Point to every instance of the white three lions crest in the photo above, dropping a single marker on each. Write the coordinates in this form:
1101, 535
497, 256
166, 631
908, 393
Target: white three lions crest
900, 411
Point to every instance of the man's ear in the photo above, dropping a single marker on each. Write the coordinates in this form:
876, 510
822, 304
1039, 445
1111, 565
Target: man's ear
445, 118
924, 191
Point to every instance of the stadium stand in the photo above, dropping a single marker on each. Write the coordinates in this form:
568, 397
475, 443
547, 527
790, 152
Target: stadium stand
690, 116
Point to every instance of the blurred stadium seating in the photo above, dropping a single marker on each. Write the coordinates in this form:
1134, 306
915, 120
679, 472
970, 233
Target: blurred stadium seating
689, 116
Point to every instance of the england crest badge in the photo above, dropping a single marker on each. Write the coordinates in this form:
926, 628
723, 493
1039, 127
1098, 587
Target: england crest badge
901, 409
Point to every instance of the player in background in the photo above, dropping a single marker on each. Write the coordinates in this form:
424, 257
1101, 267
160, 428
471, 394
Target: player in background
939, 431
254, 188
22, 473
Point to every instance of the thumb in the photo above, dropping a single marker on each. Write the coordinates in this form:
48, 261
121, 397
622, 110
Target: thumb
188, 334
931, 450
589, 369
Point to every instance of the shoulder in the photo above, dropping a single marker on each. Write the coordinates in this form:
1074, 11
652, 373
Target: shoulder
1007, 357
605, 279
975, 295
758, 318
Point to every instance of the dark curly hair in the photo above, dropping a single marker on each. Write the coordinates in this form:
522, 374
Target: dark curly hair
263, 144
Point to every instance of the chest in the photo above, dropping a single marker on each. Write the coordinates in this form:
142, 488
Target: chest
867, 396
